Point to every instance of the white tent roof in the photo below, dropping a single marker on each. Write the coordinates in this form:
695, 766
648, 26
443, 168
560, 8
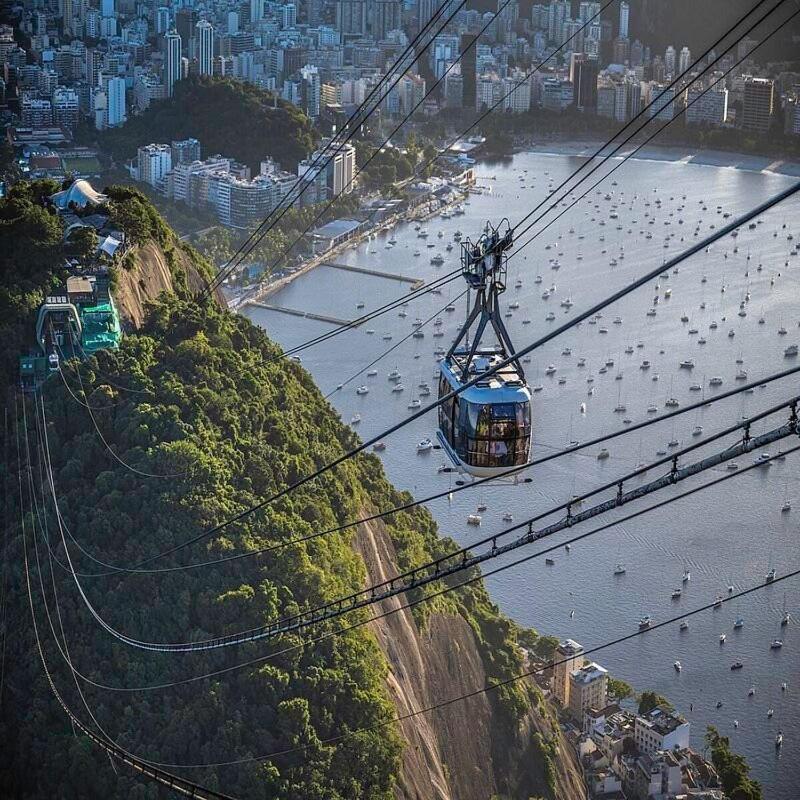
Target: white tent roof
81, 193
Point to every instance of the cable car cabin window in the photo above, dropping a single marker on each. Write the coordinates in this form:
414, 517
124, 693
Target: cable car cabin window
446, 410
493, 434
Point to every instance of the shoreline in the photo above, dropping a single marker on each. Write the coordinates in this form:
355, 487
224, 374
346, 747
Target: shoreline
694, 156
263, 291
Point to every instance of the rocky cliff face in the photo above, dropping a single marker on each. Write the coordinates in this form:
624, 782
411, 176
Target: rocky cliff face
462, 751
147, 272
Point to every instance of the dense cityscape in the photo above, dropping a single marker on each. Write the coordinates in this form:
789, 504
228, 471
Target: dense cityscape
74, 66
75, 79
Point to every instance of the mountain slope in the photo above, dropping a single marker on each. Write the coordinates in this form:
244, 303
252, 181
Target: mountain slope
229, 423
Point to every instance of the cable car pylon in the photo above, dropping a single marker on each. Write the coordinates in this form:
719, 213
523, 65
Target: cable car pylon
486, 429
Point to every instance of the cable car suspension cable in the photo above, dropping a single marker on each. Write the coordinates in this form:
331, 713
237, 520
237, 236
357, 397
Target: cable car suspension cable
464, 558
512, 472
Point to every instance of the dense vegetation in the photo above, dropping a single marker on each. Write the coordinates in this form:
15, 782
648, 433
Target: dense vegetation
229, 117
649, 700
212, 407
31, 265
734, 772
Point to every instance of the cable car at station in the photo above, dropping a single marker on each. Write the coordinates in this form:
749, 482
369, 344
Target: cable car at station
485, 429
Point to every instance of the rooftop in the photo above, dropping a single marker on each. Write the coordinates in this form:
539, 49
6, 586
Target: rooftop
80, 193
588, 673
337, 227
662, 721
569, 647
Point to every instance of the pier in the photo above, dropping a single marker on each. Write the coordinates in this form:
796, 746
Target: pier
306, 314
415, 282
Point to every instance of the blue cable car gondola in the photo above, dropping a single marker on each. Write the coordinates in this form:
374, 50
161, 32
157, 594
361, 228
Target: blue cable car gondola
485, 429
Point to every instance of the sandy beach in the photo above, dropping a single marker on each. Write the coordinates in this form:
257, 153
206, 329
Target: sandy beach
678, 154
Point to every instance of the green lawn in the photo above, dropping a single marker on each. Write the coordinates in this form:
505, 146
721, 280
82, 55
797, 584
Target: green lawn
83, 165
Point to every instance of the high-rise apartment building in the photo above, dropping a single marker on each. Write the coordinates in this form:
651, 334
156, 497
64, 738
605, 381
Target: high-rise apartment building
384, 16
116, 102
163, 21
624, 19
66, 107
567, 658
706, 107
256, 11
588, 11
583, 75
558, 14
685, 60
153, 161
469, 49
758, 104
588, 688
351, 17
670, 61
205, 50
172, 62
185, 151
65, 7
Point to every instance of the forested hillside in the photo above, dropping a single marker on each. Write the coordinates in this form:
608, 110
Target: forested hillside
207, 403
228, 117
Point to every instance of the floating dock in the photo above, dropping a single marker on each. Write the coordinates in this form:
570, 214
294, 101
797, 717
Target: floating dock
295, 312
415, 282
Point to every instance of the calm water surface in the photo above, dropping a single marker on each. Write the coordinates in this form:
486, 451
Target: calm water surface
728, 535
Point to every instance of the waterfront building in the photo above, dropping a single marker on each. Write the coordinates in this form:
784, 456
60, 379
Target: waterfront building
557, 95
663, 102
568, 657
516, 92
661, 729
588, 688
758, 104
709, 108
583, 76
656, 775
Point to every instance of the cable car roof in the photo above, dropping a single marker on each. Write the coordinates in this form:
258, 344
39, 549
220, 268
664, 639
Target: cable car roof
504, 386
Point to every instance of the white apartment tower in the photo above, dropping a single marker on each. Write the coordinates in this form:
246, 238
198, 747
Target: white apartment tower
670, 61
685, 60
172, 66
116, 102
624, 19
154, 161
205, 51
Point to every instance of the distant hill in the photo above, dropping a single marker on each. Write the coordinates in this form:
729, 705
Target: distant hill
660, 23
228, 117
